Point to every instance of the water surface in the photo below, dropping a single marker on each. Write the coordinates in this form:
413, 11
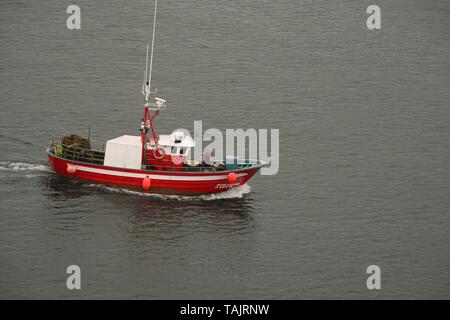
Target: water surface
364, 149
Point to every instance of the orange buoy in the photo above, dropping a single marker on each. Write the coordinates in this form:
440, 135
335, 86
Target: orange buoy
146, 183
232, 177
71, 168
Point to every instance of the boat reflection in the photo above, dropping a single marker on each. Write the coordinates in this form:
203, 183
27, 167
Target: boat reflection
226, 215
61, 188
152, 216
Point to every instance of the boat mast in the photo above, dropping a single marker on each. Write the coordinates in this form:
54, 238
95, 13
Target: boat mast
145, 77
146, 91
153, 44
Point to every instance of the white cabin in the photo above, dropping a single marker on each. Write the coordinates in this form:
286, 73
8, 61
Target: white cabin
124, 152
177, 143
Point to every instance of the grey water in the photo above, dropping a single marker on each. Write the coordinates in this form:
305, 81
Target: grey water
364, 124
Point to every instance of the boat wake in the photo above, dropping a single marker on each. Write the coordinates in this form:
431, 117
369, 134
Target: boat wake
21, 166
234, 193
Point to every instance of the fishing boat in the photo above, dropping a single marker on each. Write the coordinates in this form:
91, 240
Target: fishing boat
148, 162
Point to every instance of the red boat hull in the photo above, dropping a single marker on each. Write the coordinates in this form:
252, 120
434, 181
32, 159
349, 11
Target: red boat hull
163, 182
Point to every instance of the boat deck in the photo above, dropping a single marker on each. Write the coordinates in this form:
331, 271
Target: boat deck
94, 153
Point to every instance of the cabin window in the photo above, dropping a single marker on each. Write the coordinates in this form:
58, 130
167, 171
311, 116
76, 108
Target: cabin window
174, 150
182, 150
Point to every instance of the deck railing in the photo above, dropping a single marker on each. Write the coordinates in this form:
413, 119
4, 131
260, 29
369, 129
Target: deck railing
95, 154
215, 166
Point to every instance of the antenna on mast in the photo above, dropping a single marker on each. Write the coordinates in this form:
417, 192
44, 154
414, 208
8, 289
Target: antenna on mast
146, 90
146, 66
153, 44
146, 84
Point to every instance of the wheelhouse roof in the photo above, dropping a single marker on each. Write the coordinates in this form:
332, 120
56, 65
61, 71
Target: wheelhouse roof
169, 140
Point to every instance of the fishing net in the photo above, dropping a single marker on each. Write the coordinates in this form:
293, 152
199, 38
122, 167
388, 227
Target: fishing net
76, 140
